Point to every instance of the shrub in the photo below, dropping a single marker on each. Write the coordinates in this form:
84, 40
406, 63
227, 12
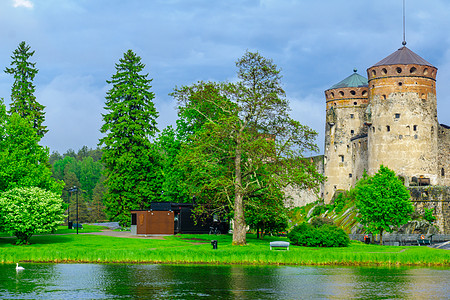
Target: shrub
30, 210
339, 202
319, 221
428, 215
317, 210
324, 236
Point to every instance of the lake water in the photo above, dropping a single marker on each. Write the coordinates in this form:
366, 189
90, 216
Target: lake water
106, 281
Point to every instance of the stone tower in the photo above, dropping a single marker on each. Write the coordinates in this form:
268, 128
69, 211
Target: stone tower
402, 125
346, 103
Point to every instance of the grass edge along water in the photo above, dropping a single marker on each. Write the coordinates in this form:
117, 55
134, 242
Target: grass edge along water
197, 249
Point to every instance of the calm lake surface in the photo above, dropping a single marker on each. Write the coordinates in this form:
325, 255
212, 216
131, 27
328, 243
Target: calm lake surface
106, 281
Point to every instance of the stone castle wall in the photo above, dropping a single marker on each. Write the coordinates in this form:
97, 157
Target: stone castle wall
437, 198
444, 155
360, 157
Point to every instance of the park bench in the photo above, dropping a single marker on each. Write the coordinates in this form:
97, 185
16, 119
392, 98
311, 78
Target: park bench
75, 225
423, 242
279, 244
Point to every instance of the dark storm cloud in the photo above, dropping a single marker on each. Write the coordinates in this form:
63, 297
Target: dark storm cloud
316, 43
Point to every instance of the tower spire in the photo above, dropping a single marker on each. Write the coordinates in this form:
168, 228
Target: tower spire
404, 29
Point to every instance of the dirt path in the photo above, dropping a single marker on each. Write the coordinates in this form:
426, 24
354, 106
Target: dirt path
125, 234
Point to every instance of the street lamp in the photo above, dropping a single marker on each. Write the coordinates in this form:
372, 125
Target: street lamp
68, 210
75, 189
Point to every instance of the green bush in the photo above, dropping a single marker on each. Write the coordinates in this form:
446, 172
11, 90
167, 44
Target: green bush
319, 221
339, 202
29, 210
317, 210
428, 215
324, 236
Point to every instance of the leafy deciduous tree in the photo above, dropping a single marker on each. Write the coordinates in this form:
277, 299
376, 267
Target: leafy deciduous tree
23, 162
383, 202
132, 167
29, 210
23, 100
248, 143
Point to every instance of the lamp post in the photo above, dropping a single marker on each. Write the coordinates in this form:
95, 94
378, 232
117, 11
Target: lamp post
75, 189
68, 210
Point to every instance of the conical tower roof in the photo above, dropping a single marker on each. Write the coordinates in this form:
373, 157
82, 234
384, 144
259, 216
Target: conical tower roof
354, 80
403, 56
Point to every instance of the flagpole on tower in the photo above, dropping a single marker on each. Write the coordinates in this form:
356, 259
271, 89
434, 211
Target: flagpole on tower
404, 27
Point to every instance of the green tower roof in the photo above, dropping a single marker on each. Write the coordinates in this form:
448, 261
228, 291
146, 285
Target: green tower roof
354, 80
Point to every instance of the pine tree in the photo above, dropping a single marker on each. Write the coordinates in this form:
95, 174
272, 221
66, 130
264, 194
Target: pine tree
23, 100
132, 164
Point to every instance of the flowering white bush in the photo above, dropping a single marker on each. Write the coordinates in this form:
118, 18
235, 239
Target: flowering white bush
29, 210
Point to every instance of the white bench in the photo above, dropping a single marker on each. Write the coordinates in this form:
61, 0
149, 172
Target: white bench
279, 244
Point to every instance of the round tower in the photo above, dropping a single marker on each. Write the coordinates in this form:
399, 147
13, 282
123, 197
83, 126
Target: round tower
346, 103
402, 132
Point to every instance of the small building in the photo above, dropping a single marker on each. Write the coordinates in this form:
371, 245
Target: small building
173, 218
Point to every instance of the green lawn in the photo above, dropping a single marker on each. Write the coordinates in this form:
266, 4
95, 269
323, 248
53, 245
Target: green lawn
198, 249
65, 230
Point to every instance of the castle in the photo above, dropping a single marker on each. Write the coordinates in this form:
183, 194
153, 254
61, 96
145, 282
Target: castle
388, 119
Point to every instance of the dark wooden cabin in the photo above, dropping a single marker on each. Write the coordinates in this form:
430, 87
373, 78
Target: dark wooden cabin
172, 218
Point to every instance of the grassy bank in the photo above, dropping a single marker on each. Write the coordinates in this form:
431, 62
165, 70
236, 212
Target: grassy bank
198, 249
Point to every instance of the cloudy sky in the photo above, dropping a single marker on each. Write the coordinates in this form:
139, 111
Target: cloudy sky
315, 43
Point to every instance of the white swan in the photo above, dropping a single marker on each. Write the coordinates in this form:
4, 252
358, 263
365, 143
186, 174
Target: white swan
19, 268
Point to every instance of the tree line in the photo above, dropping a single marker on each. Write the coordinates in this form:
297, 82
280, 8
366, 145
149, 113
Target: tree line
81, 169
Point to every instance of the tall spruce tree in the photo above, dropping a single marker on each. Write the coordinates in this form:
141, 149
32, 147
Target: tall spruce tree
23, 100
132, 164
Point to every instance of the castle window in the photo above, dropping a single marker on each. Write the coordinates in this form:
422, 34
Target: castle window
353, 92
352, 116
341, 93
341, 157
384, 71
399, 70
352, 131
397, 116
400, 83
364, 93
388, 128
442, 172
415, 127
355, 103
412, 70
350, 175
374, 73
384, 97
425, 71
332, 95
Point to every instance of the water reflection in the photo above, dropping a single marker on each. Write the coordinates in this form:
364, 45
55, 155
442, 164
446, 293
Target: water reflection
92, 281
